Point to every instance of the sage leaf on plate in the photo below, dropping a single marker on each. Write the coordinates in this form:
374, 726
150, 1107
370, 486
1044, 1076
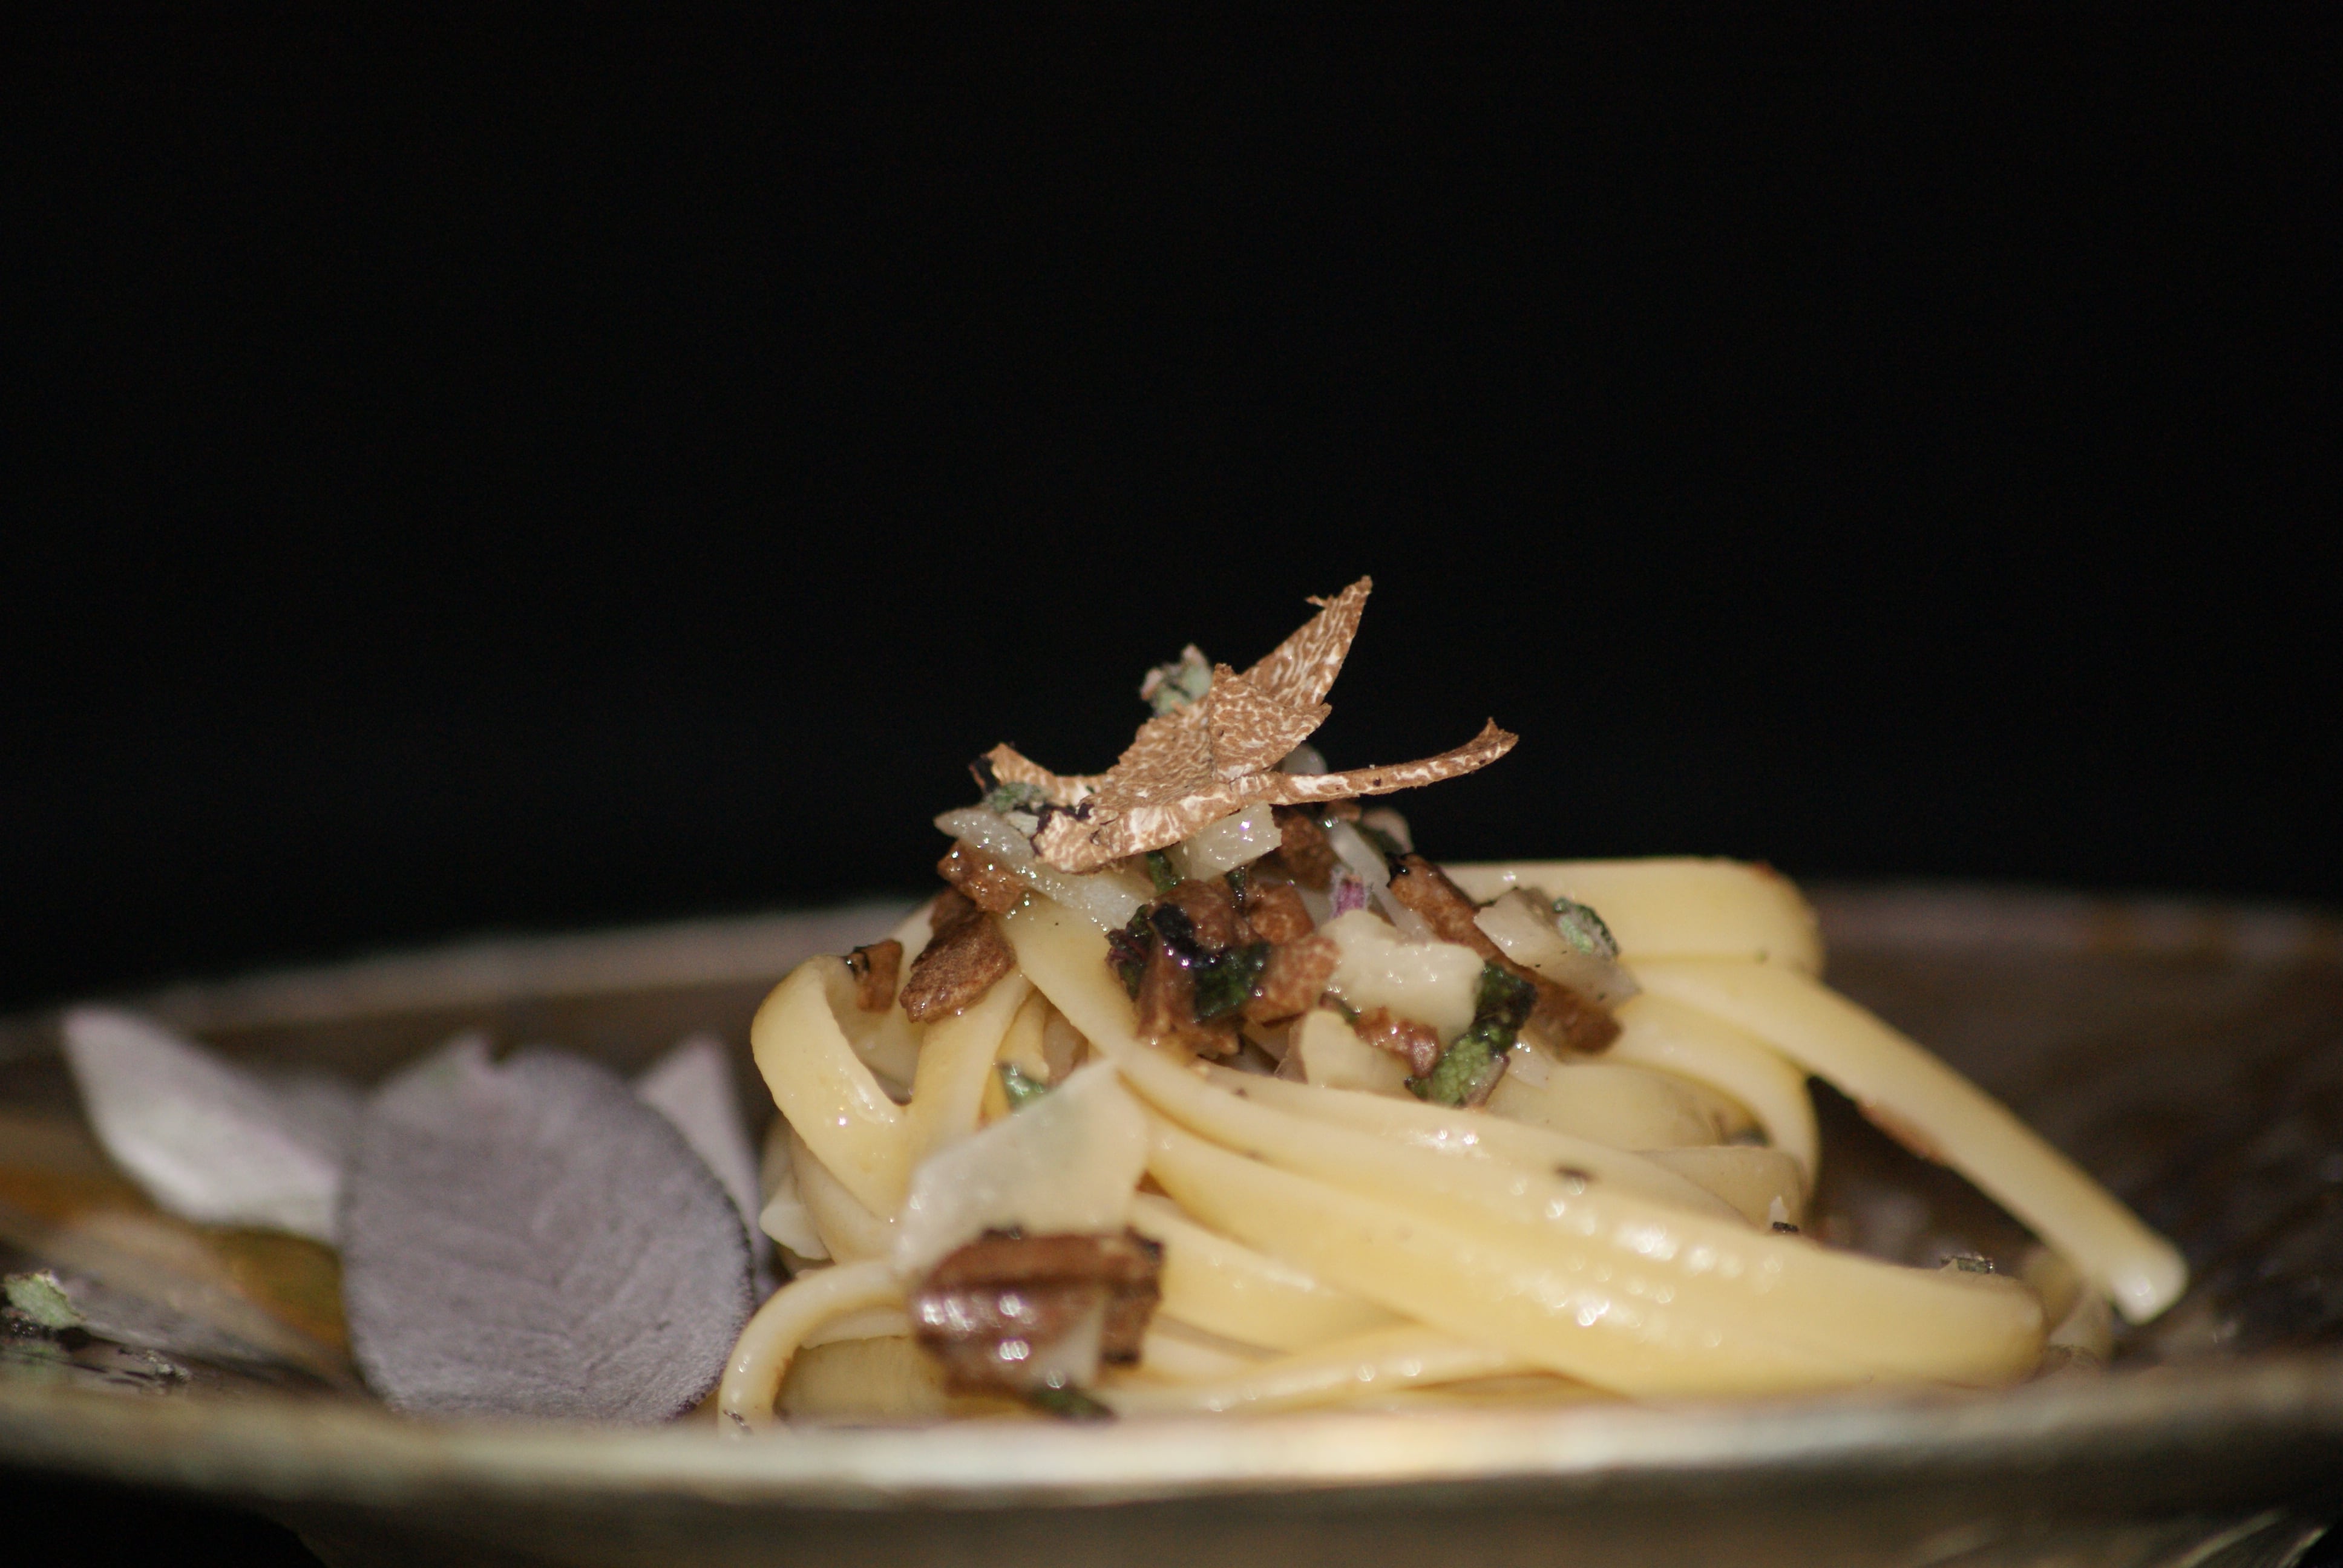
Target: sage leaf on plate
691, 1086
529, 1238
207, 1139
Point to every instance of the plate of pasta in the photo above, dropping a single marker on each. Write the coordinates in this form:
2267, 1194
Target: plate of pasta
1202, 1168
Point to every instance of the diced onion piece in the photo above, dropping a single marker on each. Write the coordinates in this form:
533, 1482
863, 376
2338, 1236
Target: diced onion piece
1332, 1055
1069, 1161
1674, 908
1523, 925
1107, 898
1433, 982
1366, 862
1230, 842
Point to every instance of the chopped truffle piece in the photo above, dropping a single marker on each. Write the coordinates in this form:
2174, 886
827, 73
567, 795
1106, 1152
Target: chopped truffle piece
1274, 911
876, 969
1561, 1014
963, 959
1294, 979
981, 879
1565, 1017
1168, 1010
1019, 1314
1211, 906
1302, 845
1441, 903
1417, 1044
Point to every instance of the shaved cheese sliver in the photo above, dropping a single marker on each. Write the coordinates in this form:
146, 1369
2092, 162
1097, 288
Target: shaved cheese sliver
1069, 1161
1432, 982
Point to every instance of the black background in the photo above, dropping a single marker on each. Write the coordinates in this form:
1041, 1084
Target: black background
473, 479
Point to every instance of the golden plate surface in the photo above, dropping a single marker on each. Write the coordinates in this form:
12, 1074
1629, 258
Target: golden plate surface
2190, 1055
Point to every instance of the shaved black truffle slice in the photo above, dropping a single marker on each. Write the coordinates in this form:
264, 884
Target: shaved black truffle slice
529, 1239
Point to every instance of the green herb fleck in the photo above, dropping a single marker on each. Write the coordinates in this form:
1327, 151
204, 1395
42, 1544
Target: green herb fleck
1022, 1090
1584, 930
1067, 1402
1159, 871
1128, 951
1469, 1068
1237, 879
1179, 683
1391, 849
1224, 979
1504, 999
1008, 798
1464, 1074
39, 1300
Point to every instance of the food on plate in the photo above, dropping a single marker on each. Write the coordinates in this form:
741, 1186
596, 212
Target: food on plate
1198, 1088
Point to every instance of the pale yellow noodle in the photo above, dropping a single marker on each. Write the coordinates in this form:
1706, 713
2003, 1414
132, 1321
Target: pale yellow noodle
1473, 1133
955, 1063
753, 1378
1749, 1179
848, 1230
1662, 1033
1407, 1355
1229, 1289
1617, 1103
1970, 1129
1660, 1274
828, 1094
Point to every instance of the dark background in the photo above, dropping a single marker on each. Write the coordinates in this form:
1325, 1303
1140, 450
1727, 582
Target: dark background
469, 479
482, 481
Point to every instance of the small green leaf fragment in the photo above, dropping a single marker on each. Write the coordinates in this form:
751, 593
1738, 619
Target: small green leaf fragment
1159, 871
1224, 981
1179, 683
1465, 1073
1504, 999
1128, 951
1583, 929
1067, 1402
1389, 847
1015, 796
1469, 1068
39, 1300
1021, 1089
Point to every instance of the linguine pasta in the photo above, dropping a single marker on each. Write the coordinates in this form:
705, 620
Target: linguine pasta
1225, 1100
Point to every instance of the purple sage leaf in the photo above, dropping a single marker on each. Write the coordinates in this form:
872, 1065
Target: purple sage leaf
691, 1086
529, 1239
208, 1140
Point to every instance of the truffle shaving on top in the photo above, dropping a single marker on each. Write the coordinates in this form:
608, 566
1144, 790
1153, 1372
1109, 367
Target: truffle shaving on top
1207, 756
